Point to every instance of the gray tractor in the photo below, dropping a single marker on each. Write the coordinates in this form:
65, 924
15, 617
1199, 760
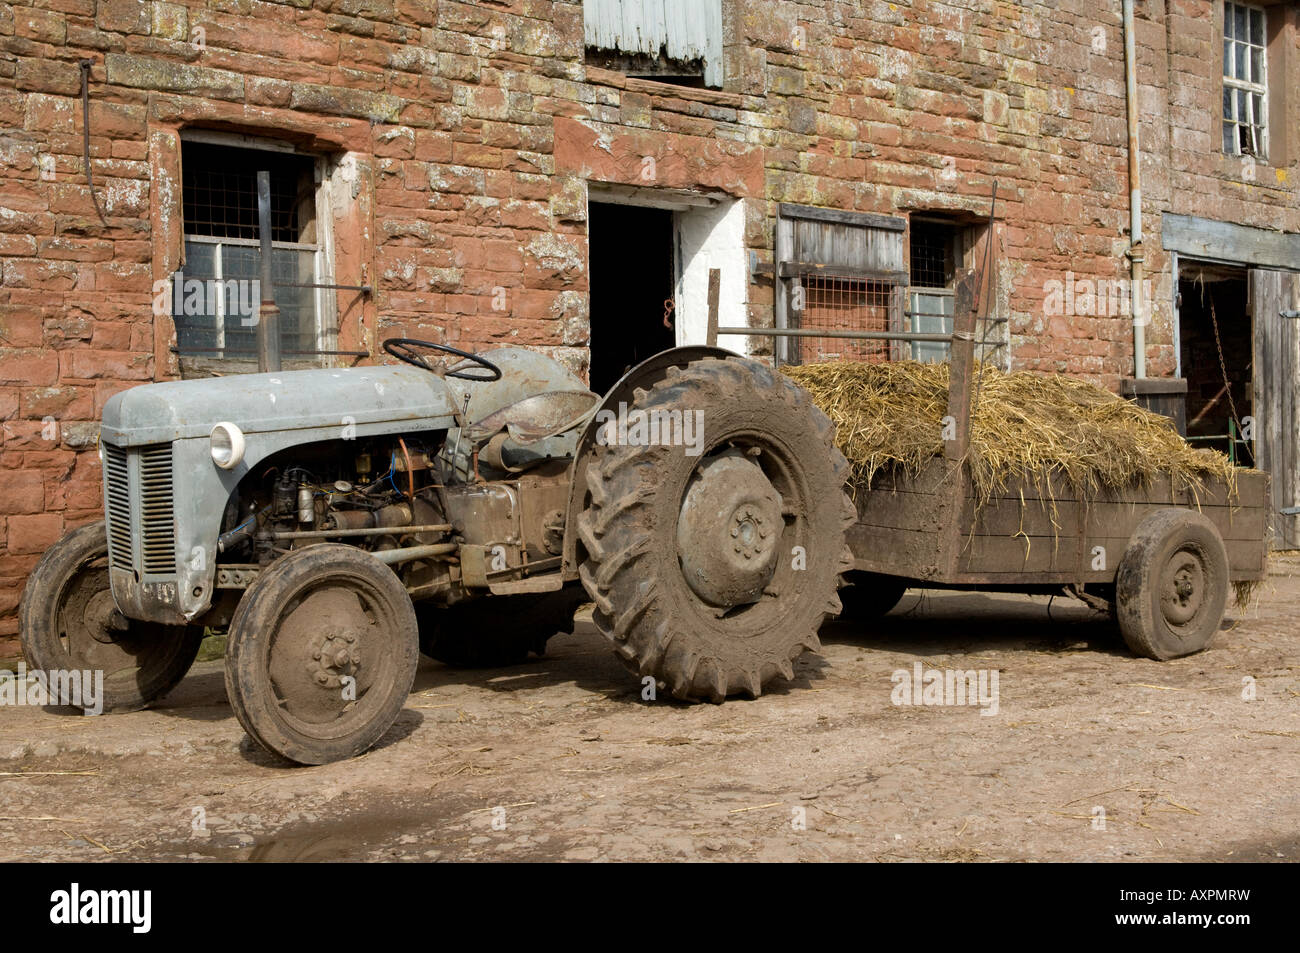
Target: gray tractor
337, 522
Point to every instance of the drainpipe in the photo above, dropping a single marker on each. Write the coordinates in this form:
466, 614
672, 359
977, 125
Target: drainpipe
1140, 308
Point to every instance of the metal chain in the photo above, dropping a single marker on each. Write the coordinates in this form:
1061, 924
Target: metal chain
1223, 369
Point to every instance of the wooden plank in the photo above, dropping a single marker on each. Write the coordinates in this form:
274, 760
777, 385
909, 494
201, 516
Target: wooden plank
841, 217
794, 269
715, 284
903, 552
1225, 241
1276, 399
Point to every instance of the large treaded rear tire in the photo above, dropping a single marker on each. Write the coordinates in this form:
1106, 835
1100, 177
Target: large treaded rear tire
496, 631
869, 596
660, 624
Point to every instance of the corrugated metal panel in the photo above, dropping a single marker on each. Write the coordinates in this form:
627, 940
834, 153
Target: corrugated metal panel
683, 29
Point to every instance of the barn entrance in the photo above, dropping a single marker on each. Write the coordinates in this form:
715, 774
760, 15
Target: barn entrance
632, 274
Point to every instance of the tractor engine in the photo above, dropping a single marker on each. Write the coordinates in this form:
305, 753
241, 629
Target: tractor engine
447, 522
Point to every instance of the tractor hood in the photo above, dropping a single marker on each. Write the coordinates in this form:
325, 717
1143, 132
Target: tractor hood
280, 401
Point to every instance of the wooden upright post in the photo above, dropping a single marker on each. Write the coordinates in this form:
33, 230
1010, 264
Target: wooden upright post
962, 366
957, 423
715, 288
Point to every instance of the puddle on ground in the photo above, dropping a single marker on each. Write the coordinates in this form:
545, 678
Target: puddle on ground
401, 832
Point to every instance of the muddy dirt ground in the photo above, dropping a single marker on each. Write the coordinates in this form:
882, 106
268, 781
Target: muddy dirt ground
561, 758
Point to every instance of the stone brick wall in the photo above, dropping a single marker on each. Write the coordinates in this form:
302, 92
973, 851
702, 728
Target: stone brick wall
468, 132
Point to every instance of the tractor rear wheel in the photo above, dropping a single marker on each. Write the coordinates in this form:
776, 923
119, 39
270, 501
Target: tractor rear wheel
69, 622
714, 559
321, 654
870, 595
1172, 586
496, 631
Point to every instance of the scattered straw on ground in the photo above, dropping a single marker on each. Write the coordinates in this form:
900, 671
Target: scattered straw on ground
1026, 427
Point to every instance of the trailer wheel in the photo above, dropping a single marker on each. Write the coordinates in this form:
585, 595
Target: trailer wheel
713, 569
1172, 585
68, 621
495, 631
870, 595
322, 653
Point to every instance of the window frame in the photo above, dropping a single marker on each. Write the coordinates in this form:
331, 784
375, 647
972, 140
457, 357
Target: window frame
1236, 85
324, 300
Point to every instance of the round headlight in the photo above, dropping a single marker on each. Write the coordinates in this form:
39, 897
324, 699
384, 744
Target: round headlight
227, 445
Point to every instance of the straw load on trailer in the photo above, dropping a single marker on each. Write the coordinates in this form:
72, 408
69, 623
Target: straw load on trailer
1025, 429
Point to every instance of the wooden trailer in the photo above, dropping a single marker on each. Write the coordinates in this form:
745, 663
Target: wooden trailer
1162, 559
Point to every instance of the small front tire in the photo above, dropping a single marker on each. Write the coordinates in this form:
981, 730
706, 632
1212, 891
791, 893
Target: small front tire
322, 654
69, 622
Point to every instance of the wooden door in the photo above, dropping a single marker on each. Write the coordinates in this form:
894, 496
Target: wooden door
1274, 295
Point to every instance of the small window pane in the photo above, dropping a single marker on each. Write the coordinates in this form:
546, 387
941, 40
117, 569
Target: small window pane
1227, 21
1257, 27
1229, 139
1227, 58
1239, 13
1241, 62
1227, 103
1257, 109
1256, 65
1243, 105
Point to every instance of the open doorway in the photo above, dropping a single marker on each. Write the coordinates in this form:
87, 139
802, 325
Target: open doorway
1216, 355
632, 274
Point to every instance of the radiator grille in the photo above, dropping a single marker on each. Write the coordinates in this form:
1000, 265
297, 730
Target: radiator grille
159, 543
117, 508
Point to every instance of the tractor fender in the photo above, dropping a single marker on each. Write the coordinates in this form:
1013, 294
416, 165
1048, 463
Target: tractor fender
647, 373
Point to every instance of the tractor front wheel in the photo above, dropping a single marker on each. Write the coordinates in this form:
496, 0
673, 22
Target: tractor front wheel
322, 654
68, 621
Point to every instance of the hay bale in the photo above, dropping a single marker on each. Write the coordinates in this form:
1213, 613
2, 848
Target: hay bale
1025, 427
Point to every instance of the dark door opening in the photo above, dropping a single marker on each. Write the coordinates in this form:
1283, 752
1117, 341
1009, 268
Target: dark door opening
1219, 392
631, 274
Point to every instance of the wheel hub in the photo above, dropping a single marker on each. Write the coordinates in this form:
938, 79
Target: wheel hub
103, 620
318, 645
1183, 590
333, 655
729, 530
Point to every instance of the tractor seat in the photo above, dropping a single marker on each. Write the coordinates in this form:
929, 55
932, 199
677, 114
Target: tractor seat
537, 417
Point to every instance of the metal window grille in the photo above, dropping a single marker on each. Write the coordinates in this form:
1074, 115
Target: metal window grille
215, 297
1245, 81
844, 303
932, 258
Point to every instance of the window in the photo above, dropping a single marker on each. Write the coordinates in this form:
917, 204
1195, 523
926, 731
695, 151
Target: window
672, 41
933, 267
839, 271
216, 295
1245, 82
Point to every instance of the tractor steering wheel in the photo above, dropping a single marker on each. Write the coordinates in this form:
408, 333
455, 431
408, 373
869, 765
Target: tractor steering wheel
405, 349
